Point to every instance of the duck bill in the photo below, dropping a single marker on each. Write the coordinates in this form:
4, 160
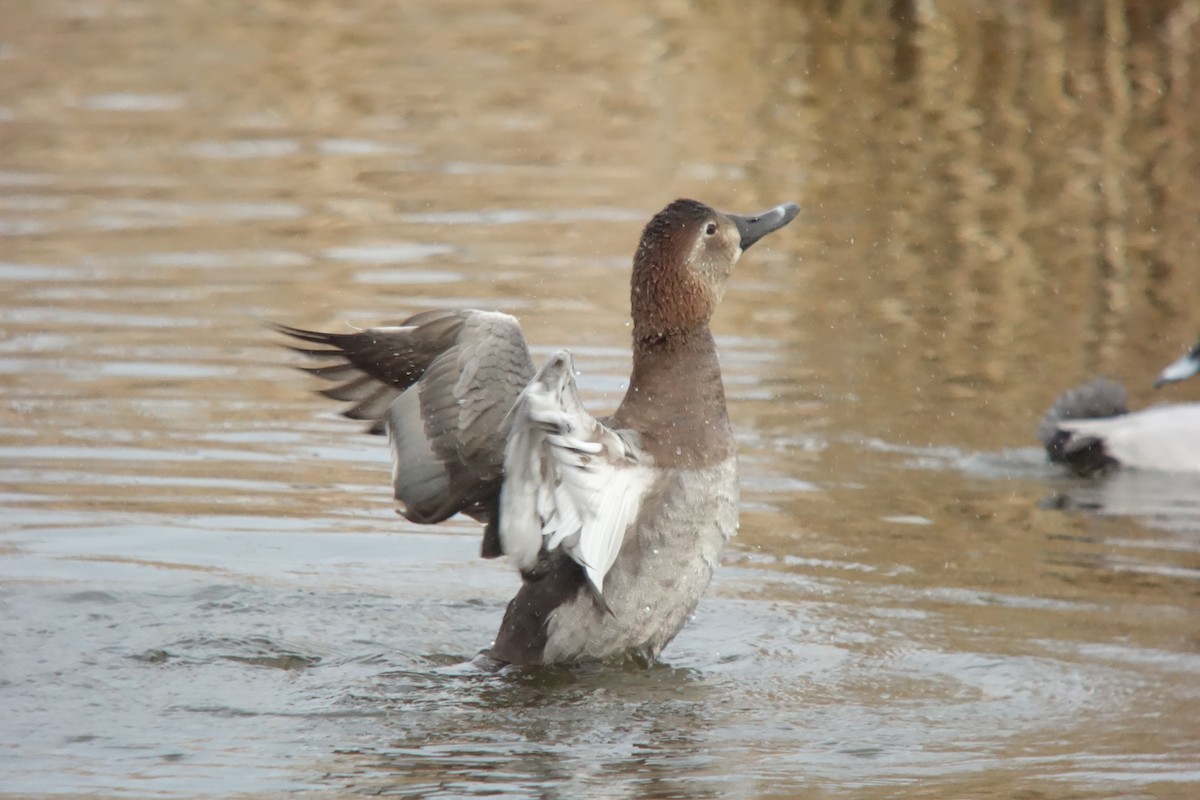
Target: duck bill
756, 227
1179, 370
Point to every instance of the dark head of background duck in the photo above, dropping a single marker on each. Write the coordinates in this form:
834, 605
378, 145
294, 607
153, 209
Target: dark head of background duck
683, 263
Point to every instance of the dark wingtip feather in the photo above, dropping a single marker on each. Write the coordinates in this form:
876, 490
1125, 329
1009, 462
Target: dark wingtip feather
353, 382
342, 371
314, 337
354, 390
313, 352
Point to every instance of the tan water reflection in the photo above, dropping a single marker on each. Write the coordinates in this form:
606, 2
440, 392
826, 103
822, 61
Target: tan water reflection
1000, 200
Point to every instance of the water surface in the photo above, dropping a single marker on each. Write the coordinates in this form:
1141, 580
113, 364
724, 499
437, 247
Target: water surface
204, 589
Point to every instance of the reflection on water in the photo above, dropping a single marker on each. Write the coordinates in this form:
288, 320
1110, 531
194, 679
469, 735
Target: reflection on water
205, 591
1166, 501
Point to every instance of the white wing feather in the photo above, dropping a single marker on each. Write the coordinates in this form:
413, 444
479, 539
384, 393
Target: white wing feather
1160, 437
569, 482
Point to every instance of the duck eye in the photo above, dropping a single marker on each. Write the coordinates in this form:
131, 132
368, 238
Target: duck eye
711, 229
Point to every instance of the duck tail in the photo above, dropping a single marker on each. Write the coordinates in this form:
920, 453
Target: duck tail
1095, 400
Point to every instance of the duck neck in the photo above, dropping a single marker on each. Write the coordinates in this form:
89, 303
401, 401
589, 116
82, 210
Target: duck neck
676, 400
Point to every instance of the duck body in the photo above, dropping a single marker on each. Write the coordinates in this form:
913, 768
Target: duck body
662, 570
686, 484
1163, 437
1091, 430
615, 524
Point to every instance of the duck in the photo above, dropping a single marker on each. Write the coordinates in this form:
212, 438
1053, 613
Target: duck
615, 524
1091, 430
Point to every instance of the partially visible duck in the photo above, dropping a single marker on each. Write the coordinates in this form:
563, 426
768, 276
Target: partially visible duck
615, 524
1091, 429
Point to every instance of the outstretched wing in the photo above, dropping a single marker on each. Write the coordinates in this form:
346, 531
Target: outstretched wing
570, 482
441, 384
